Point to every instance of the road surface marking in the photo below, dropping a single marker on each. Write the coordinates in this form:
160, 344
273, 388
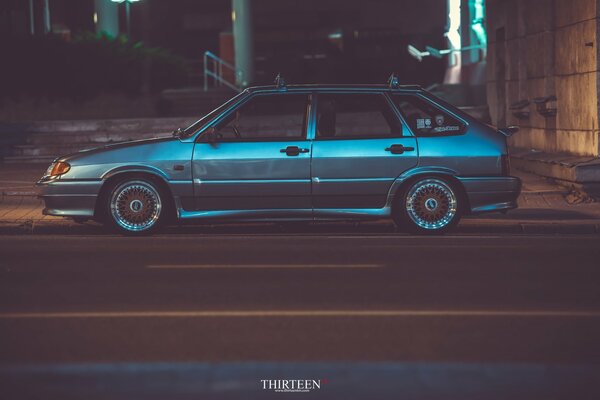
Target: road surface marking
263, 266
406, 236
303, 314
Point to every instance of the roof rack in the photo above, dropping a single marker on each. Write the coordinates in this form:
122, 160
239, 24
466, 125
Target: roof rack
393, 81
280, 81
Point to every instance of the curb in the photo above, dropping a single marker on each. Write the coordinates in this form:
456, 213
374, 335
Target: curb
10, 197
532, 228
67, 227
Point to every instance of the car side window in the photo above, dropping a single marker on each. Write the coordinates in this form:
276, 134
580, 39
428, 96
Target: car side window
426, 119
266, 117
355, 116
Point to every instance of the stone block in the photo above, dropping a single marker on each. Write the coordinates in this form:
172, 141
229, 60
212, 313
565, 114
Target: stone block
536, 51
536, 88
572, 11
511, 22
577, 102
537, 15
513, 59
491, 62
492, 100
572, 54
583, 143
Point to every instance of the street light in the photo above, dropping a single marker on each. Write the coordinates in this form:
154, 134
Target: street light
127, 17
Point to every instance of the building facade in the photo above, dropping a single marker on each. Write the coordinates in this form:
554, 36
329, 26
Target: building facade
543, 74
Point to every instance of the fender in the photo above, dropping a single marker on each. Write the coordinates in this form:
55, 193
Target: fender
416, 172
134, 168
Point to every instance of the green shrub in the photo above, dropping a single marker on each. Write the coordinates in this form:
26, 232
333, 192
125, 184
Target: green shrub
91, 64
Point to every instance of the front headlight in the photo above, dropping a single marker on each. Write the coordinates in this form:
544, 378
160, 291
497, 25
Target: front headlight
57, 168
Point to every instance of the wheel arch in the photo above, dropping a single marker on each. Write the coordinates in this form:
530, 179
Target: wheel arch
154, 175
405, 180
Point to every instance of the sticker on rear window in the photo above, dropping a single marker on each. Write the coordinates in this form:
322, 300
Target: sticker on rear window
423, 123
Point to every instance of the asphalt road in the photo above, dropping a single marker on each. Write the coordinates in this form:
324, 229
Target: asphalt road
324, 300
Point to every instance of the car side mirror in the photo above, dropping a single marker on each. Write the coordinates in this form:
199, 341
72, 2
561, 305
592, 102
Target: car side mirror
210, 136
509, 130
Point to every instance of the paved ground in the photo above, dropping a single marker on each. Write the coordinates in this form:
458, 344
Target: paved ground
506, 307
543, 208
505, 316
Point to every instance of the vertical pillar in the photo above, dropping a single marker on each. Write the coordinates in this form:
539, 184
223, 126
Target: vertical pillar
31, 18
107, 17
243, 41
453, 71
46, 15
597, 67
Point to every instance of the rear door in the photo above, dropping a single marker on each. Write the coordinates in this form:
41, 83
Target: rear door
360, 148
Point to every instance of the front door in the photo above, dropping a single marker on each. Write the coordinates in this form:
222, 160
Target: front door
256, 157
359, 150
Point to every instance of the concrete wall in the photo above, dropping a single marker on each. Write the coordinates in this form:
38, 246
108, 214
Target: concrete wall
550, 48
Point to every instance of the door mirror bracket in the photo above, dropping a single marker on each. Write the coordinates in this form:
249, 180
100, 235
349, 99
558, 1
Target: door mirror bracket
211, 136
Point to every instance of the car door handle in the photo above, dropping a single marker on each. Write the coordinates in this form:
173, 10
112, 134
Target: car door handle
293, 150
399, 149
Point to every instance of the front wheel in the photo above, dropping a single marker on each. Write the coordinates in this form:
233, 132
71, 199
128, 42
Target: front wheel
428, 206
135, 206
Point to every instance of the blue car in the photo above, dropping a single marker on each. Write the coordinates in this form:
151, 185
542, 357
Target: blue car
298, 152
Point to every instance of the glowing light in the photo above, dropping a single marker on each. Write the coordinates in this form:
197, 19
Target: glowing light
95, 18
477, 23
453, 33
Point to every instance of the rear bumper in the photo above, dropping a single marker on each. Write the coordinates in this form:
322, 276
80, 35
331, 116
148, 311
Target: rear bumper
487, 194
69, 198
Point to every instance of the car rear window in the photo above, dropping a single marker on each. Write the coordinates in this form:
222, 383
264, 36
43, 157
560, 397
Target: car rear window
425, 119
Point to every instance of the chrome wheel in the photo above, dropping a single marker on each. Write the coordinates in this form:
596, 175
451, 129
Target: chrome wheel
135, 206
431, 204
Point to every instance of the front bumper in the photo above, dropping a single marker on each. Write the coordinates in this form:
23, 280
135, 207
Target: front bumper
68, 198
487, 194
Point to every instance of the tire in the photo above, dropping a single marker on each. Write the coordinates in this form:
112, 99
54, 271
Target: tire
135, 206
430, 206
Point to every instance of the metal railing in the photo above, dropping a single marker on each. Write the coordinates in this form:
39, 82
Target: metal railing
214, 68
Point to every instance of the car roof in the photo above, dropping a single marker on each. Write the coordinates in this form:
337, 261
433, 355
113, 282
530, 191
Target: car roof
327, 87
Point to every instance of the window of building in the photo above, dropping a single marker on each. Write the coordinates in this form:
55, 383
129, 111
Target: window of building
356, 115
424, 118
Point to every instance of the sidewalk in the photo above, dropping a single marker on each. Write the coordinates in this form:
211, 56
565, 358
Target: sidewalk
543, 208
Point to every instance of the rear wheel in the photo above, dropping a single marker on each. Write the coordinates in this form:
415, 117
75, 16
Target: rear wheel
135, 206
428, 206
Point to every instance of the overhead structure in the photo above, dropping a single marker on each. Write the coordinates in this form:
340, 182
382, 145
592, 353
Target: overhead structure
106, 17
243, 41
467, 42
127, 13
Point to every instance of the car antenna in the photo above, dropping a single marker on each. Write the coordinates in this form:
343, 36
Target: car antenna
280, 81
393, 81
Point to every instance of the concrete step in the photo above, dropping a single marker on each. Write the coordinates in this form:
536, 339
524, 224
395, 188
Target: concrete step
43, 140
90, 138
460, 94
581, 173
101, 125
58, 146
198, 93
54, 150
193, 100
481, 113
27, 159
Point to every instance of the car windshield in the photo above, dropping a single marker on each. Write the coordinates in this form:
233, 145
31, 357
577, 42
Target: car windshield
196, 126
